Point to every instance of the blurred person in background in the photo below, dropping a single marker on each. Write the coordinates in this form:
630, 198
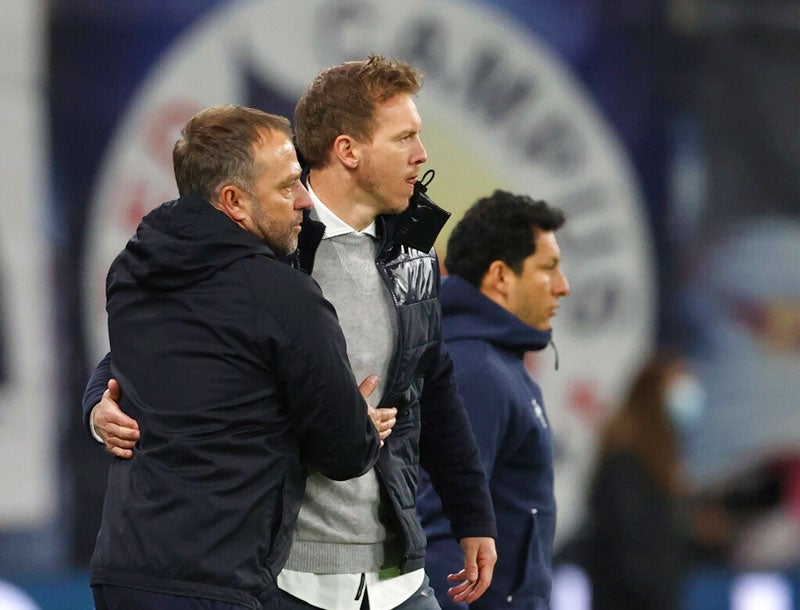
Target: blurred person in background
504, 285
644, 522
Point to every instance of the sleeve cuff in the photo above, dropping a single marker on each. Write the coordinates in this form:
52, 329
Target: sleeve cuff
96, 436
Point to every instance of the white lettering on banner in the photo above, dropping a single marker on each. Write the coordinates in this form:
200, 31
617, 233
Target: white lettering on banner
27, 387
500, 110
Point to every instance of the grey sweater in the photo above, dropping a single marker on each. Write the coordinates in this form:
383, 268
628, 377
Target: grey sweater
340, 528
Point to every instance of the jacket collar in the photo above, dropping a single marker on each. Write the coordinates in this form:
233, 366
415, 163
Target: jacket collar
469, 314
417, 227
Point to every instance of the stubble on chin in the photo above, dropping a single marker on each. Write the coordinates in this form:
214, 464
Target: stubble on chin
395, 207
284, 246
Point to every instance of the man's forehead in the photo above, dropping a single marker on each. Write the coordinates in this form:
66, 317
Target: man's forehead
401, 103
546, 242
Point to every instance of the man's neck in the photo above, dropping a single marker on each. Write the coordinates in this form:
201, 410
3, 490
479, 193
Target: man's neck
337, 190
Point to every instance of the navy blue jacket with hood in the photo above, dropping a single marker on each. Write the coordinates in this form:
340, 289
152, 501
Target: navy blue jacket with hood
235, 367
505, 406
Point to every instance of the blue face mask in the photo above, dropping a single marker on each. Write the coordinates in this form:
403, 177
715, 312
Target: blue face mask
685, 400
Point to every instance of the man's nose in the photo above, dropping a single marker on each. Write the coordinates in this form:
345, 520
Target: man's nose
422, 155
302, 200
563, 285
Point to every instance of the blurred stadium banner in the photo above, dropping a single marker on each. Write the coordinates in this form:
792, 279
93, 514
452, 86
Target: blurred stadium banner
502, 109
28, 425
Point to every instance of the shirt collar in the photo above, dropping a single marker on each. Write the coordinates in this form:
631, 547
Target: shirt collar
333, 224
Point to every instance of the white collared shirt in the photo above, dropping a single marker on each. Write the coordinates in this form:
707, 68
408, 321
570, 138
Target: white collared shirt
333, 224
346, 591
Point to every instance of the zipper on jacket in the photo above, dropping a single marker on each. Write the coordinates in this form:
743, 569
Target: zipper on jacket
385, 277
396, 363
299, 253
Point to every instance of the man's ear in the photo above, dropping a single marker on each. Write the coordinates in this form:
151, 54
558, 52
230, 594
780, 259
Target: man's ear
346, 150
231, 201
496, 276
495, 282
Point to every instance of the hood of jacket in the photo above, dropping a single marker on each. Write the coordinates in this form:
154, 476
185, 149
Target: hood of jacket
468, 314
182, 242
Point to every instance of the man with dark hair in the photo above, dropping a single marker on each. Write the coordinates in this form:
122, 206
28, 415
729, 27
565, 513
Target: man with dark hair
503, 287
235, 369
368, 242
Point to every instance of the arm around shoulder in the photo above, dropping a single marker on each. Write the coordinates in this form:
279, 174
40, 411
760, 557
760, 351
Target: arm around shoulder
97, 384
106, 421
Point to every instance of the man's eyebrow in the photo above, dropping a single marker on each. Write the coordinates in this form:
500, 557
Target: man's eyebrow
291, 179
409, 132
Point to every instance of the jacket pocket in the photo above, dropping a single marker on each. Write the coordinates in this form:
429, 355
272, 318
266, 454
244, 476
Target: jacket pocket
533, 579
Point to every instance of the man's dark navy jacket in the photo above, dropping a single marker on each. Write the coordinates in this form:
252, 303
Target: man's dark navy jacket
235, 368
505, 406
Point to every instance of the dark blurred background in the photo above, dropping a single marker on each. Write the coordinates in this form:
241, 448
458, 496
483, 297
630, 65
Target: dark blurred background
668, 131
